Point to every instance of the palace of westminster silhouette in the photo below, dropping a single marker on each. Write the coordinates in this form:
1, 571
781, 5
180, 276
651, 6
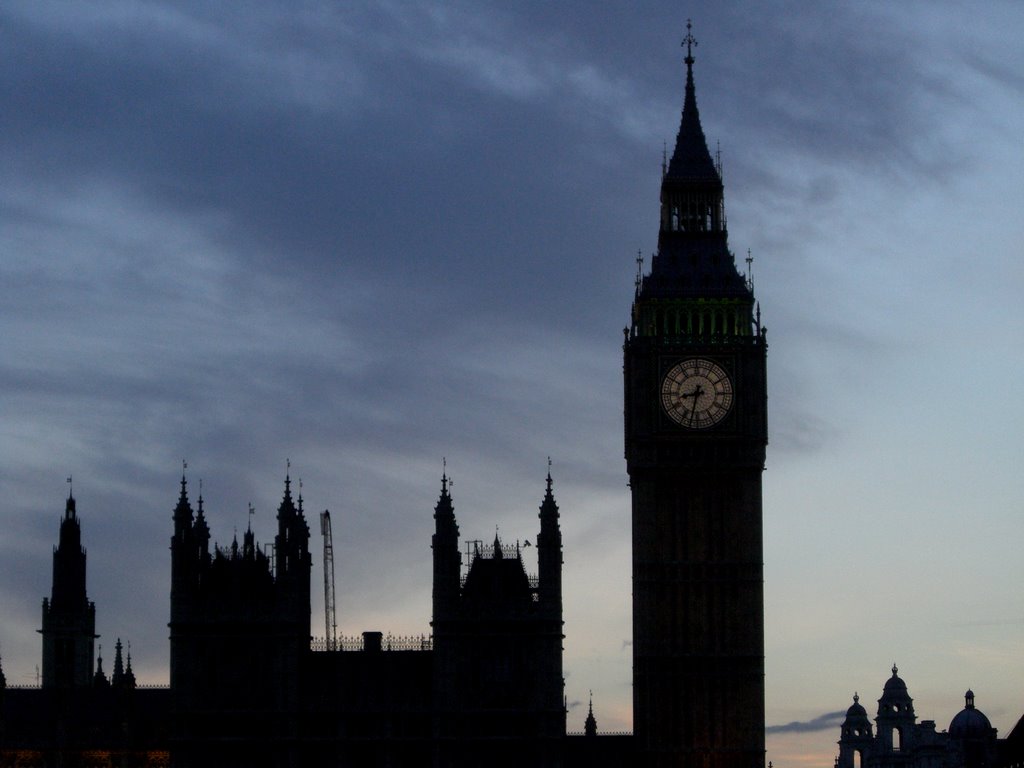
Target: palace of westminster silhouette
486, 688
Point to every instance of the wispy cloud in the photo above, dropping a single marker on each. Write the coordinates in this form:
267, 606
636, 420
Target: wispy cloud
828, 721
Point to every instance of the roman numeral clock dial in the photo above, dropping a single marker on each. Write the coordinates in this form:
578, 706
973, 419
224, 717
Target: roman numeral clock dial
696, 393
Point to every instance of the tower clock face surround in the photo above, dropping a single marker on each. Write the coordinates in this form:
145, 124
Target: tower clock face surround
696, 393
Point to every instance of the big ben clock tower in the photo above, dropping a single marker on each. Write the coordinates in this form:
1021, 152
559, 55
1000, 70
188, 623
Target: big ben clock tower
696, 431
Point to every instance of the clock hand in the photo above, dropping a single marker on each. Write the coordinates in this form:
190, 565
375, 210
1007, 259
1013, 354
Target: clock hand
697, 392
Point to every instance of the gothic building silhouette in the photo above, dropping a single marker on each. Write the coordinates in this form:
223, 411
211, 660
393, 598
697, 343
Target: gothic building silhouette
486, 687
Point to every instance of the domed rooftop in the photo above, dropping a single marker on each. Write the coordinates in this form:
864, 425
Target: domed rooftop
856, 709
894, 685
856, 723
895, 698
970, 723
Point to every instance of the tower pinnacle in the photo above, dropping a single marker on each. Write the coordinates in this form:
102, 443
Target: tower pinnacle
691, 159
690, 42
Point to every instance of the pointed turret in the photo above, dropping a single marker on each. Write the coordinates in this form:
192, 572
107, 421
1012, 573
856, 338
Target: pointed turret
122, 678
249, 542
293, 565
549, 552
187, 559
129, 675
183, 511
590, 724
691, 160
69, 563
117, 678
201, 530
69, 618
447, 561
291, 544
100, 680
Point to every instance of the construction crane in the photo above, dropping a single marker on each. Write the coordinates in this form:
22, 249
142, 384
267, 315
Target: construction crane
330, 616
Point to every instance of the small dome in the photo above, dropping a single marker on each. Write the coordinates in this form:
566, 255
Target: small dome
895, 701
894, 685
856, 725
969, 723
856, 709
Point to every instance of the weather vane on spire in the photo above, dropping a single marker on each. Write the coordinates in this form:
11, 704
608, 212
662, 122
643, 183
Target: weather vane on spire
689, 41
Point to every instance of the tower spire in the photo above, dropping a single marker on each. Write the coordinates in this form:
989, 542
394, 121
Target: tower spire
446, 557
118, 675
590, 724
691, 158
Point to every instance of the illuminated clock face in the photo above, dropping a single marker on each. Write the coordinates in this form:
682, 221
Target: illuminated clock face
696, 393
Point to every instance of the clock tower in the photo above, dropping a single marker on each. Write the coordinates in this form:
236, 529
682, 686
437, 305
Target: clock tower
695, 436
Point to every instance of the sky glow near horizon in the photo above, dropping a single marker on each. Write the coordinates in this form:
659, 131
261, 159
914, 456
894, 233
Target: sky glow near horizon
370, 238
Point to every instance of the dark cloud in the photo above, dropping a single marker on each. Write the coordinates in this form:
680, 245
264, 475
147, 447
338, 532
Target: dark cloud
827, 722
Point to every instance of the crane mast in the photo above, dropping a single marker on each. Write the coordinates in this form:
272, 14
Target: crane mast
330, 616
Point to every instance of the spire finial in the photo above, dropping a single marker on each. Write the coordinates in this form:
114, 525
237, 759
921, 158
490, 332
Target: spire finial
856, 697
590, 724
444, 474
71, 488
894, 669
690, 42
252, 511
549, 474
